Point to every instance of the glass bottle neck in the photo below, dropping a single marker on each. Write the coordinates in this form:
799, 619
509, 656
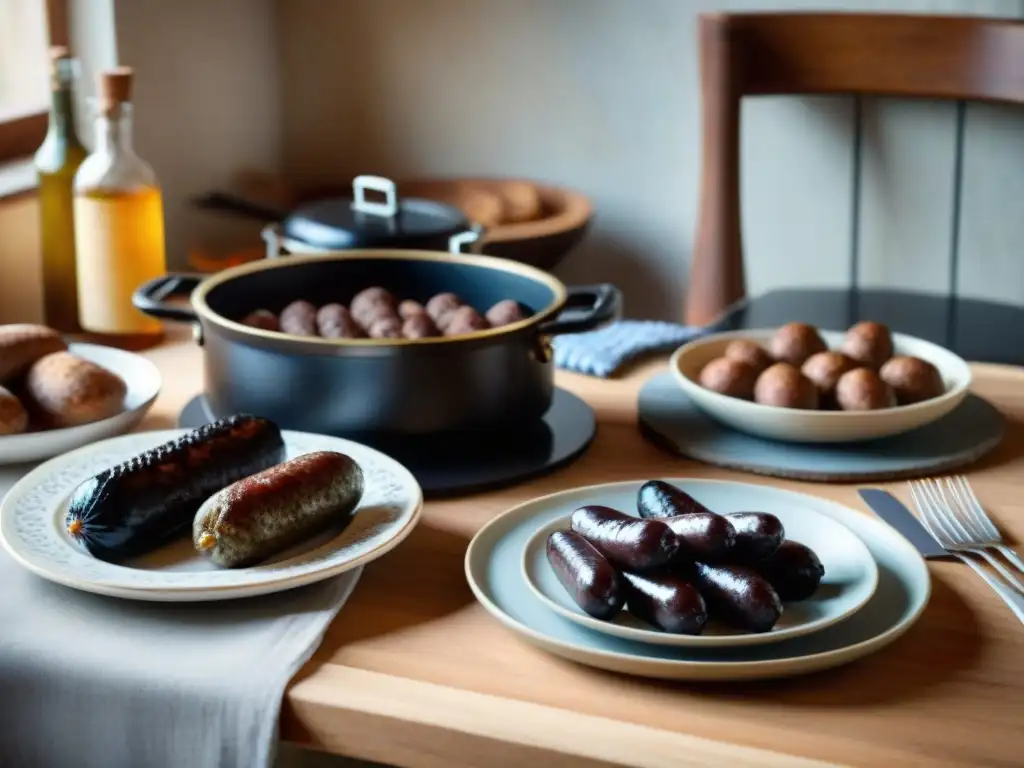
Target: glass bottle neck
62, 114
114, 131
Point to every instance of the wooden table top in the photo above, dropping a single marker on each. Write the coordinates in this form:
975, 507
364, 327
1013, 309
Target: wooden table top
414, 673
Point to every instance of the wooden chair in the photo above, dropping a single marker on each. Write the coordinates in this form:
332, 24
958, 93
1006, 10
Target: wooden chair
798, 54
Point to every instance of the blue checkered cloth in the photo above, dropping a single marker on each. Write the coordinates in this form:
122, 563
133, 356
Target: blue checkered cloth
604, 351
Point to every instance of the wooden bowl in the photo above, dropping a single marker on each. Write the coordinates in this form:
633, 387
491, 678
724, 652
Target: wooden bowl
501, 205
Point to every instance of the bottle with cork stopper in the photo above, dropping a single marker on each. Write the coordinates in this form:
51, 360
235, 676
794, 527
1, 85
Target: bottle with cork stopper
56, 162
119, 224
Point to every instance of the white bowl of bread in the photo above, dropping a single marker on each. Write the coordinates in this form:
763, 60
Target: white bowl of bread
805, 385
55, 396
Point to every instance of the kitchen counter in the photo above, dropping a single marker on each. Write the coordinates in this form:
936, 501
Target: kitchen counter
414, 673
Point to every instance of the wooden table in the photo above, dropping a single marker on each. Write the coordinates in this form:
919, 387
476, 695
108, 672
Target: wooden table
414, 673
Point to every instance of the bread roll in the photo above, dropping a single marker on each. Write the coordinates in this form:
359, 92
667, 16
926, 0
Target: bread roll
67, 391
13, 416
21, 344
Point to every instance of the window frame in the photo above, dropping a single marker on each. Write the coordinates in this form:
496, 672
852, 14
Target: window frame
20, 136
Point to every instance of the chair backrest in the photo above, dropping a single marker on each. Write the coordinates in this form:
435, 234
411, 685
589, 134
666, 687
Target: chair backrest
761, 54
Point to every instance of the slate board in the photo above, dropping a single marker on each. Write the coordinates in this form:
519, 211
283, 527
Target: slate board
669, 419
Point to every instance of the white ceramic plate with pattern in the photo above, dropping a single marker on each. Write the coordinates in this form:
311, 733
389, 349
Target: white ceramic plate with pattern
142, 380
32, 529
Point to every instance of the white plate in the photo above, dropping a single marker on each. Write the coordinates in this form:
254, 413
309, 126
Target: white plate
143, 385
32, 529
849, 582
493, 570
804, 426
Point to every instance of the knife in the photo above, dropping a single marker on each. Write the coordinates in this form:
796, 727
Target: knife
895, 513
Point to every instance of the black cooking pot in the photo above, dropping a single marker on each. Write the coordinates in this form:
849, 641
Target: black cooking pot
500, 377
340, 223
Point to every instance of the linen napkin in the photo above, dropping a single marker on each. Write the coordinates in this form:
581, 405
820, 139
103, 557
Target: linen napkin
606, 350
91, 681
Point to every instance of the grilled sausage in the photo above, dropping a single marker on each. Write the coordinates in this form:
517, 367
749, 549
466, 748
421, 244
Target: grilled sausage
147, 501
758, 535
666, 600
738, 595
634, 544
657, 499
261, 515
794, 571
703, 536
586, 574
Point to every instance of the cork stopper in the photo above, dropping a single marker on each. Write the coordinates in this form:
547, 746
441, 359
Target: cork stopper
58, 52
115, 88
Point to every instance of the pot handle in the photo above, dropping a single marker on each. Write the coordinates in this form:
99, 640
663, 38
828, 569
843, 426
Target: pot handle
472, 237
587, 307
149, 297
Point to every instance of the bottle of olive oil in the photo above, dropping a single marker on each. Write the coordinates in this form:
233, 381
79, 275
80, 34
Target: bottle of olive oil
56, 162
119, 224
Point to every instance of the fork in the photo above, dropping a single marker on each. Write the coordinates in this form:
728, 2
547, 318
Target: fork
967, 534
938, 519
978, 522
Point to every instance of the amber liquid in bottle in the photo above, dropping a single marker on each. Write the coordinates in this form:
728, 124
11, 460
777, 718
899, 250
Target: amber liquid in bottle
56, 162
119, 226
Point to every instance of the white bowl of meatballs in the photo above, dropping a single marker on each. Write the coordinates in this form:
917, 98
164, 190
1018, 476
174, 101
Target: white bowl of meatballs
801, 384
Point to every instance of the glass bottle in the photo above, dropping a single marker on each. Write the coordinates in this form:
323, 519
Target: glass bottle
119, 224
56, 162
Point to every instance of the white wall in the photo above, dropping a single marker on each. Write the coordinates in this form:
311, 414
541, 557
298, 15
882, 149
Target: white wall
603, 95
597, 94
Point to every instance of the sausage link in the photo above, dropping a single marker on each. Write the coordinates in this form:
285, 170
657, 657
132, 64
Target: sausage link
268, 512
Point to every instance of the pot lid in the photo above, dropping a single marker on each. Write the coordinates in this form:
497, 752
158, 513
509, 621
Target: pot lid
340, 223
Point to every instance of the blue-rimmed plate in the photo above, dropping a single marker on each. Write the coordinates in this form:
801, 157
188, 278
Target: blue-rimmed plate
493, 569
849, 582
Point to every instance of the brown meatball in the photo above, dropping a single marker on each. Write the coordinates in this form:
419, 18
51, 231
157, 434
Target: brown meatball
783, 386
862, 390
408, 308
912, 379
749, 352
793, 343
334, 321
505, 312
364, 303
441, 304
13, 416
419, 327
869, 344
463, 320
299, 319
729, 377
262, 318
387, 327
824, 369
